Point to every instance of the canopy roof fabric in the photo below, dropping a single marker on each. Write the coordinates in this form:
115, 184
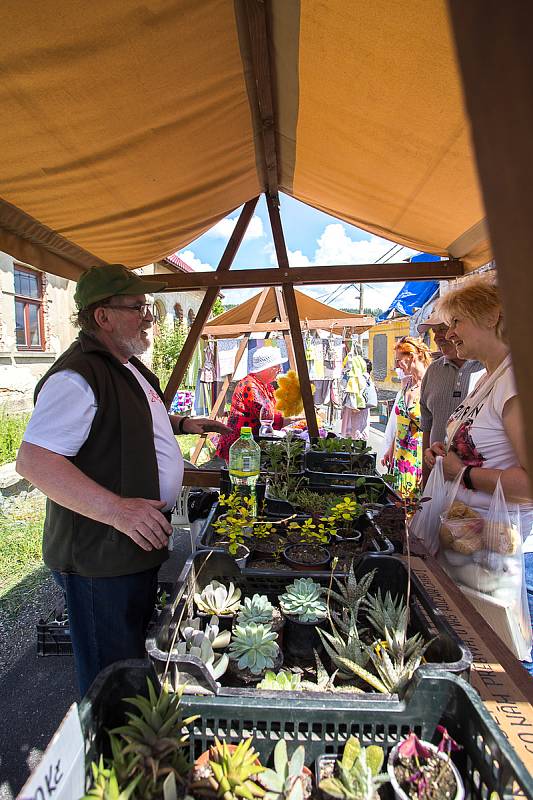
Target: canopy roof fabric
308, 309
131, 128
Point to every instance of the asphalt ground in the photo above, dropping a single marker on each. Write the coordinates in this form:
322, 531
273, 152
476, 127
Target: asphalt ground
36, 692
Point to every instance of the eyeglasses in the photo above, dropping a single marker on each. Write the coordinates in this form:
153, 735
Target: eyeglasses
143, 309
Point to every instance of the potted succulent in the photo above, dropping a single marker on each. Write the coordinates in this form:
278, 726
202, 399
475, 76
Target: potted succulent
344, 517
227, 771
419, 770
304, 608
197, 643
253, 649
356, 776
308, 552
259, 609
353, 454
215, 599
283, 681
290, 779
235, 525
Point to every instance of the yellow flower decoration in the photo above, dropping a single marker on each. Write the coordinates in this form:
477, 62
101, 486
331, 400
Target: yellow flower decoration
288, 395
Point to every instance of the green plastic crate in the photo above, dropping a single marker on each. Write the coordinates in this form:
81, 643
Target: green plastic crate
487, 762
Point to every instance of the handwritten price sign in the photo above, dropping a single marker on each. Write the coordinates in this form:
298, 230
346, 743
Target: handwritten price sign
61, 771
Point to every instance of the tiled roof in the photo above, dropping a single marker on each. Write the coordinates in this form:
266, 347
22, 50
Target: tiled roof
178, 262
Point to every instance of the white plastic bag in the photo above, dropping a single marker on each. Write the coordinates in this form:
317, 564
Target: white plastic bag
483, 554
425, 524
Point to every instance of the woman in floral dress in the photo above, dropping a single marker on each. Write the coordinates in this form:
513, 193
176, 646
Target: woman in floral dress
413, 357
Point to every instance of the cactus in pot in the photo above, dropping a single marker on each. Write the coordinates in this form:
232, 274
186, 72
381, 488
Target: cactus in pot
254, 648
358, 774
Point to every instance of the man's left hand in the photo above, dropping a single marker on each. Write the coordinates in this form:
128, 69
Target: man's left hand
205, 425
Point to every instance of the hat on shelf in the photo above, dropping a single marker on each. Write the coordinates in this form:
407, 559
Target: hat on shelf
265, 357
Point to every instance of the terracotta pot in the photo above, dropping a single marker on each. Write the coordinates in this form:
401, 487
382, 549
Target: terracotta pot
400, 794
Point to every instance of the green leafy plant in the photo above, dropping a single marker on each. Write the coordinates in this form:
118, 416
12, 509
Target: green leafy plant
303, 599
168, 344
284, 456
236, 524
358, 773
12, 427
343, 515
257, 609
283, 681
216, 599
254, 647
312, 502
232, 775
285, 781
337, 445
105, 784
309, 533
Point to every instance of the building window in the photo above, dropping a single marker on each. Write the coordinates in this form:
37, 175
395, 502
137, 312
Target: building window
178, 314
29, 328
191, 317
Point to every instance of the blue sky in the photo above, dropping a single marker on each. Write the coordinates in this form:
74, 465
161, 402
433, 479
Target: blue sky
312, 237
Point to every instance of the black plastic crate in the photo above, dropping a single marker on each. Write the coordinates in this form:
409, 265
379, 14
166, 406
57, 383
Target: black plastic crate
208, 541
321, 461
487, 762
447, 651
53, 632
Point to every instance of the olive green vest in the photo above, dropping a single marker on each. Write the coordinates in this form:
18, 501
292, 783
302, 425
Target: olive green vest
118, 454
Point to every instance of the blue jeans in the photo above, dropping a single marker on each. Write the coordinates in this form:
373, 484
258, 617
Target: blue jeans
108, 619
528, 561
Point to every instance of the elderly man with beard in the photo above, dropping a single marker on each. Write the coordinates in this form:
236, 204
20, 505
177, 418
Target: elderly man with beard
446, 383
102, 448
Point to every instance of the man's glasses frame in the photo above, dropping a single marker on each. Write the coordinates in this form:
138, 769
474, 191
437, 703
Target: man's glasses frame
141, 308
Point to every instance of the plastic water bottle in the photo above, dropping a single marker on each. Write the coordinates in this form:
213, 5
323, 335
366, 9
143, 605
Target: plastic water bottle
244, 464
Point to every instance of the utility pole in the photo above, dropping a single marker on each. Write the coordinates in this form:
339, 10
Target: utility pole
361, 304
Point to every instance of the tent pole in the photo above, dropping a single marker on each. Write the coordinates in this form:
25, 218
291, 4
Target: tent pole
500, 107
207, 303
294, 321
286, 334
228, 378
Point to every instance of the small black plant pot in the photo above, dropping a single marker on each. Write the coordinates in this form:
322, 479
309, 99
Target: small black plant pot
245, 676
307, 558
225, 621
301, 639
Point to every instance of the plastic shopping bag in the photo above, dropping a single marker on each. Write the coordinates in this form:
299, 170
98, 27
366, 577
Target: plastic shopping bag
482, 552
425, 525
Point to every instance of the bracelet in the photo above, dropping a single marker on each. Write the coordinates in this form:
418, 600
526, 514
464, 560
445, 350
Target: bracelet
181, 424
467, 480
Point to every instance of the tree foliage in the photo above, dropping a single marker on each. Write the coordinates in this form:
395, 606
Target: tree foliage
168, 344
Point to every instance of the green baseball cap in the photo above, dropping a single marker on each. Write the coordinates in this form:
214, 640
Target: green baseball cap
101, 282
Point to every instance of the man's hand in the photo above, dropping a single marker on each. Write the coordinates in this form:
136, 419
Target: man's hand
431, 453
205, 425
142, 521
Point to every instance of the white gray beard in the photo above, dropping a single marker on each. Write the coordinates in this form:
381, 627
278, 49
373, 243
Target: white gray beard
135, 346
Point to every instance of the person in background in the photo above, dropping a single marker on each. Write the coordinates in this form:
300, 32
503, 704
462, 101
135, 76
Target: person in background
448, 380
251, 394
413, 357
485, 433
102, 448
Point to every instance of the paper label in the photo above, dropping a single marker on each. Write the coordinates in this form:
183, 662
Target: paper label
61, 771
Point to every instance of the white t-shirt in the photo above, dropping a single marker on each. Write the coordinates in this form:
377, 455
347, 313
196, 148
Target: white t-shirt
481, 441
64, 413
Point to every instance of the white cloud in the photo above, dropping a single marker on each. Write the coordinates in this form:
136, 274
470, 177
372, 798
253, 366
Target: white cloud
195, 263
224, 229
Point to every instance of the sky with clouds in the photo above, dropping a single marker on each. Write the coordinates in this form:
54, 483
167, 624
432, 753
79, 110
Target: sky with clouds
312, 238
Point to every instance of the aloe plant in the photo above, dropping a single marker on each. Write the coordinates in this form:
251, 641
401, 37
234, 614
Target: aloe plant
105, 784
358, 773
257, 608
351, 592
303, 599
216, 599
233, 773
285, 781
385, 612
351, 647
254, 648
283, 681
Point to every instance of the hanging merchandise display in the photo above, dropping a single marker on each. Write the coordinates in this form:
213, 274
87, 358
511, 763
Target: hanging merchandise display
203, 395
355, 414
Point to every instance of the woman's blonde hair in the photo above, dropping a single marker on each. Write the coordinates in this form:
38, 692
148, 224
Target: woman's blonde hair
477, 300
416, 347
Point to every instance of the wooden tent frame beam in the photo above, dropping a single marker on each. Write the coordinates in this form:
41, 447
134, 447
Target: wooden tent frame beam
311, 324
207, 303
311, 276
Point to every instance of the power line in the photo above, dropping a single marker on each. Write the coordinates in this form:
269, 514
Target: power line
335, 292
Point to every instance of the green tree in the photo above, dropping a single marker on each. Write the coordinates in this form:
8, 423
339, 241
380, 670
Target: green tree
218, 308
168, 344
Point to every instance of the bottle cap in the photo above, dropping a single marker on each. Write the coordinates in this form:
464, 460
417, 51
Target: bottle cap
246, 431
